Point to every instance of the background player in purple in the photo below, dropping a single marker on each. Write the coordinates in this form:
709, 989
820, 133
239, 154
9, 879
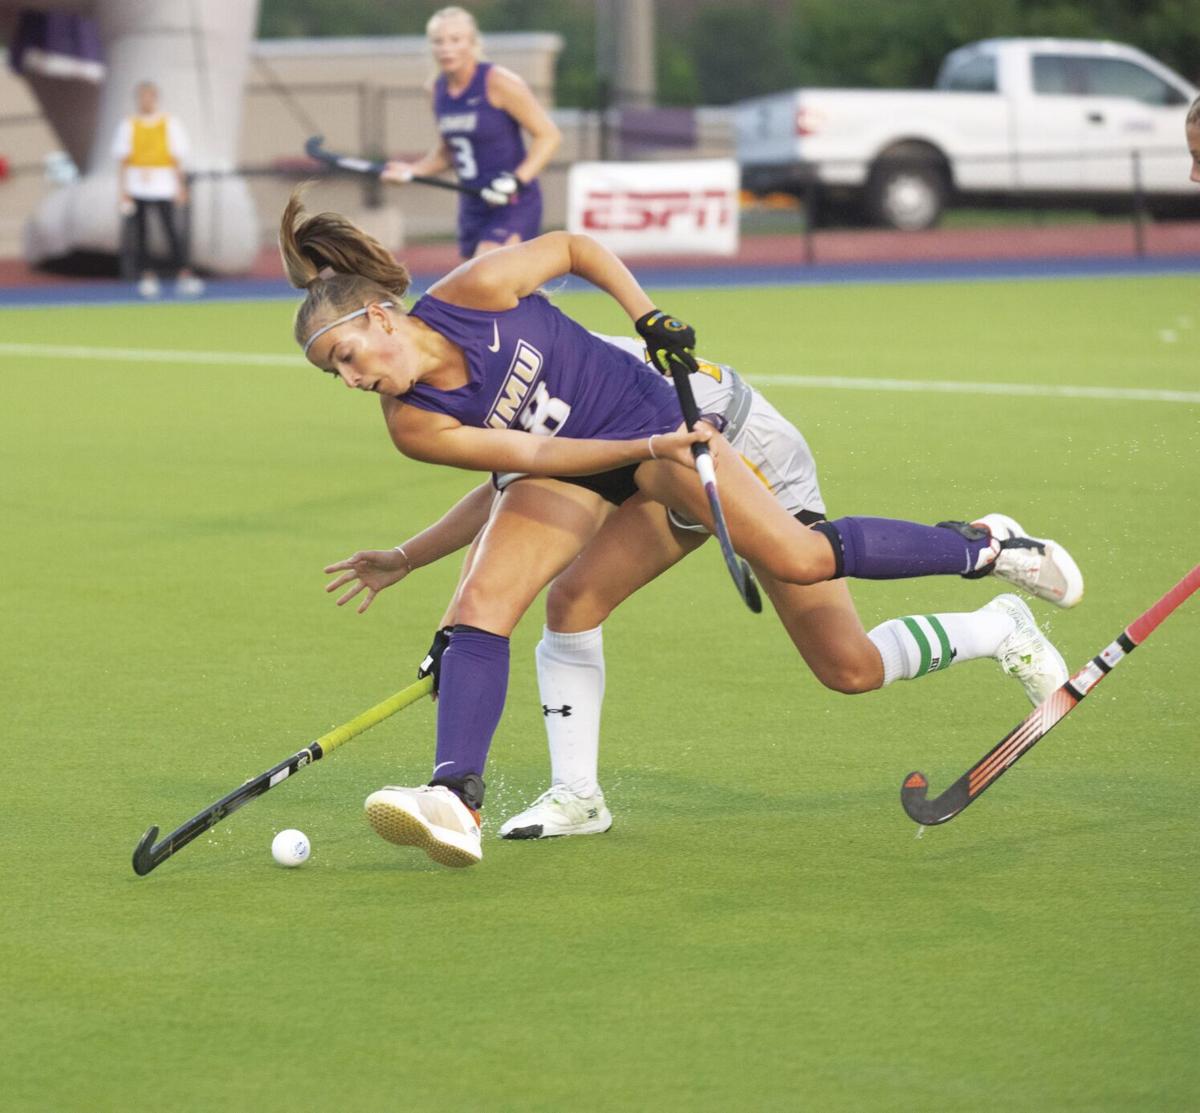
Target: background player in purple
484, 373
481, 110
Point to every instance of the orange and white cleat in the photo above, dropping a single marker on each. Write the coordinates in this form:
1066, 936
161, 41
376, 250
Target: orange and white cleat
430, 817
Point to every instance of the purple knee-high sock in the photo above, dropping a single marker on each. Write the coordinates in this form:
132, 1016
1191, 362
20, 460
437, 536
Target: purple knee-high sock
471, 690
888, 549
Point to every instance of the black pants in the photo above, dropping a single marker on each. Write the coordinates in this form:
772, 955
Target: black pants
166, 216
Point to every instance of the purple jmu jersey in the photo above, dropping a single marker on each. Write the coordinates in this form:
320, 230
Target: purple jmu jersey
534, 369
485, 141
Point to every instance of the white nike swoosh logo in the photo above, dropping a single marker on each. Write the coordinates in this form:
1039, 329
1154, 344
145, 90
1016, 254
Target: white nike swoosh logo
494, 346
439, 765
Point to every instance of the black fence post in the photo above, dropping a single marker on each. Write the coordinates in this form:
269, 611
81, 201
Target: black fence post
603, 100
811, 201
1139, 206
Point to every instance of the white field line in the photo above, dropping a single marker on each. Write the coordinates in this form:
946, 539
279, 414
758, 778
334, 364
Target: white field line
935, 386
830, 382
150, 355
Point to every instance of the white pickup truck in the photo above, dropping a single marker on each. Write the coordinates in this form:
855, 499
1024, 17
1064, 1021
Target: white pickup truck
1010, 120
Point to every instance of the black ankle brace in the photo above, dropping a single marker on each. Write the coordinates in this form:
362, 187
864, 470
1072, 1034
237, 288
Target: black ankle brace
469, 788
970, 533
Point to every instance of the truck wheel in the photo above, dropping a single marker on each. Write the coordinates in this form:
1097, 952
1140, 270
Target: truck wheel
909, 194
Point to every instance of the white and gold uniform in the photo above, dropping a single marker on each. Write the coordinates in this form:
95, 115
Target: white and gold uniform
773, 448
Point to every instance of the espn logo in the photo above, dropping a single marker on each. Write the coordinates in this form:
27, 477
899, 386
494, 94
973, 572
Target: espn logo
612, 210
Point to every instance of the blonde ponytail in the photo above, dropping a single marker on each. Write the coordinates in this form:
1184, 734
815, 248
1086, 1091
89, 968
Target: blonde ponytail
340, 266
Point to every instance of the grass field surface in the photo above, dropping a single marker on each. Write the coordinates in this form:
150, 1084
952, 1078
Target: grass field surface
762, 929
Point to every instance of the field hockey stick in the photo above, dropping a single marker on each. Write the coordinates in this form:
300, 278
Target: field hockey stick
1038, 722
147, 855
743, 579
374, 167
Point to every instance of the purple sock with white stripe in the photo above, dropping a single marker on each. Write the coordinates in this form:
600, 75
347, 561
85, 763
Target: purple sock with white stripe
889, 549
471, 690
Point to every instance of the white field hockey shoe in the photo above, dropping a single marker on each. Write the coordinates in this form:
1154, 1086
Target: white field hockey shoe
1027, 653
1040, 567
429, 817
559, 811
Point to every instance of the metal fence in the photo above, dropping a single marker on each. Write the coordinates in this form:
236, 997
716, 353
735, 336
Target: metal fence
378, 120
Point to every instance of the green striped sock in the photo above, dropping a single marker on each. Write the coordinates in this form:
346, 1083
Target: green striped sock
923, 643
933, 646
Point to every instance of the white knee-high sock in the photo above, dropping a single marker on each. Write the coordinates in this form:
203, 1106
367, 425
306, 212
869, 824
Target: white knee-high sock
924, 643
570, 670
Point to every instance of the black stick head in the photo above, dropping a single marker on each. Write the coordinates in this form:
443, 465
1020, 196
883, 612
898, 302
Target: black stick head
929, 813
312, 147
143, 860
750, 590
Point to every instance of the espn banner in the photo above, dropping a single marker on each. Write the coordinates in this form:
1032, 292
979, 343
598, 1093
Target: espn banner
660, 208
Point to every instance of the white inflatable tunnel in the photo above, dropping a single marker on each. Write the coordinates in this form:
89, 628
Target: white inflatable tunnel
196, 52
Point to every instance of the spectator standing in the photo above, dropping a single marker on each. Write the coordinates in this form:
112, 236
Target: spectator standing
152, 147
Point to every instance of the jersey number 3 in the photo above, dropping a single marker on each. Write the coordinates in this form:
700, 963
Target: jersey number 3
464, 157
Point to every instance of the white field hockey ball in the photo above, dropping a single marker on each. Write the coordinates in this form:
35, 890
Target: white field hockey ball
290, 847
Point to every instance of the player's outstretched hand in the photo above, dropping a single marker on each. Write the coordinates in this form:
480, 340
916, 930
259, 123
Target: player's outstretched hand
677, 446
398, 172
668, 340
371, 571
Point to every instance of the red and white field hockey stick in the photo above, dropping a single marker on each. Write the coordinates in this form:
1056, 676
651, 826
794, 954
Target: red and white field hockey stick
1037, 724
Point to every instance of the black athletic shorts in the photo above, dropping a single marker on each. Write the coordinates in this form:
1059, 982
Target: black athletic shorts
616, 486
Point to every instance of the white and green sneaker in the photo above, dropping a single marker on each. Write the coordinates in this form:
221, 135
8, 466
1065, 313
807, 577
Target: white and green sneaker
1027, 654
429, 817
1034, 564
559, 811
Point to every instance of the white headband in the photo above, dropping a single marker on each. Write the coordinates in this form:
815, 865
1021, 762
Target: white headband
342, 320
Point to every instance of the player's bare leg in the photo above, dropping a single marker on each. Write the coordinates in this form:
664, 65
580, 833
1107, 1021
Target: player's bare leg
762, 531
825, 628
636, 545
860, 547
536, 529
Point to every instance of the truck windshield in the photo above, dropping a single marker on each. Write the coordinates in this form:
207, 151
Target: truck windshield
973, 73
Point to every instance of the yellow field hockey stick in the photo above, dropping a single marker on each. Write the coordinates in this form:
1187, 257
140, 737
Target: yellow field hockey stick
147, 855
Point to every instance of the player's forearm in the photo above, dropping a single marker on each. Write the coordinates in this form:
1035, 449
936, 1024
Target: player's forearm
564, 456
454, 530
433, 162
541, 150
508, 450
591, 261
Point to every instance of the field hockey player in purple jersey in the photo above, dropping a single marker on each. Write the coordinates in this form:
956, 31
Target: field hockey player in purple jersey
640, 540
485, 373
480, 110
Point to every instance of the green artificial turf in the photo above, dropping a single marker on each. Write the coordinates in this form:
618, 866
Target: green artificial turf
762, 928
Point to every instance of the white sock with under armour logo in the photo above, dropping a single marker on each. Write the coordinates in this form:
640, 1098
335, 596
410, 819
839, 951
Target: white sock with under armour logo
924, 643
570, 670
